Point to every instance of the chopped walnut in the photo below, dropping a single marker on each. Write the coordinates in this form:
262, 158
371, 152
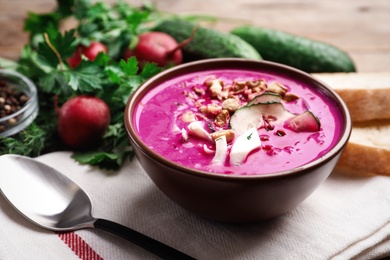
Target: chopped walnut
239, 86
208, 80
247, 92
188, 117
253, 92
199, 102
257, 90
277, 88
199, 91
252, 96
290, 97
227, 87
213, 109
203, 109
223, 94
232, 95
222, 117
215, 87
230, 104
228, 133
257, 85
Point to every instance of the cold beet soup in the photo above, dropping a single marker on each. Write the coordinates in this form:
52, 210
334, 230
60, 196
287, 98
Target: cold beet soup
234, 121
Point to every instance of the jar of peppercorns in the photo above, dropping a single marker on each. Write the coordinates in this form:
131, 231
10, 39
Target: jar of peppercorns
18, 102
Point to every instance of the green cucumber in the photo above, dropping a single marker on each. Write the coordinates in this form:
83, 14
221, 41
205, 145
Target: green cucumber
266, 97
252, 116
207, 42
296, 51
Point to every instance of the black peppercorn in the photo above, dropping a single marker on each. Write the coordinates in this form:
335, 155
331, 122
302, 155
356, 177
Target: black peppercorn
11, 101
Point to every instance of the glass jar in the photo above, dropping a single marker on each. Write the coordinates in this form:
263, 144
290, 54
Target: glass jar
18, 102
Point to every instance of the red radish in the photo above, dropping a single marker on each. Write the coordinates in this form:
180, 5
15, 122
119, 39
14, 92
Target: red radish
158, 47
90, 52
305, 122
94, 49
75, 60
82, 121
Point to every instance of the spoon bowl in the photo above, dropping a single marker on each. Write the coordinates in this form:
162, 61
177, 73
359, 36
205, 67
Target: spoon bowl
49, 199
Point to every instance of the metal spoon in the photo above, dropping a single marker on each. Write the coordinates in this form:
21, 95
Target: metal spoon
51, 200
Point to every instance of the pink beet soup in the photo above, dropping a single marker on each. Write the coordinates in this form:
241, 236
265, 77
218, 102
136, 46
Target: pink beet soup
163, 117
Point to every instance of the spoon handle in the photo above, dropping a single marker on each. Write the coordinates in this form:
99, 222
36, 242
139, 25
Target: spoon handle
148, 243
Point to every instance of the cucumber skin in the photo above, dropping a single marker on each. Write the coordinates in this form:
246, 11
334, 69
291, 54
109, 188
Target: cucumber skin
207, 42
302, 53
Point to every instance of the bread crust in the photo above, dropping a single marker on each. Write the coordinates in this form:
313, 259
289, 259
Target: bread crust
361, 106
367, 95
358, 158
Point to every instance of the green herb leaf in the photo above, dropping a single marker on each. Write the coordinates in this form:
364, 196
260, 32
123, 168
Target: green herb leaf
63, 44
85, 78
109, 161
65, 7
30, 142
36, 23
150, 69
44, 61
130, 67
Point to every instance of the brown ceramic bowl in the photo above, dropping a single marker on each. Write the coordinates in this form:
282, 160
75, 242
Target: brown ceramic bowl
235, 198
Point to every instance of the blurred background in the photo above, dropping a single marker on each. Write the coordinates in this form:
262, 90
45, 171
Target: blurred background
359, 27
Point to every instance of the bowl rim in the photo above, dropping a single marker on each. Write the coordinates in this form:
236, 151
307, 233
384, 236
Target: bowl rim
224, 63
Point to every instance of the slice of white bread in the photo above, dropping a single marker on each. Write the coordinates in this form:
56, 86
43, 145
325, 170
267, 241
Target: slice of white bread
367, 95
368, 149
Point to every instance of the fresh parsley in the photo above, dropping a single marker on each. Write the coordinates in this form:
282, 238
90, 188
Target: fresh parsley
108, 77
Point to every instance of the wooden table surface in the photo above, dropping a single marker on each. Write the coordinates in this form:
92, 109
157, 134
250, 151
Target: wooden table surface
360, 27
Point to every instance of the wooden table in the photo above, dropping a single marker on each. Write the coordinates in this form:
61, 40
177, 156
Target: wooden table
359, 27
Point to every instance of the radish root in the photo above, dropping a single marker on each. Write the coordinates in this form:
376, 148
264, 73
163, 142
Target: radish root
183, 43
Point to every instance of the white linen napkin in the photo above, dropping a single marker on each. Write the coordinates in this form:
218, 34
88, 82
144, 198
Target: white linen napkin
348, 217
